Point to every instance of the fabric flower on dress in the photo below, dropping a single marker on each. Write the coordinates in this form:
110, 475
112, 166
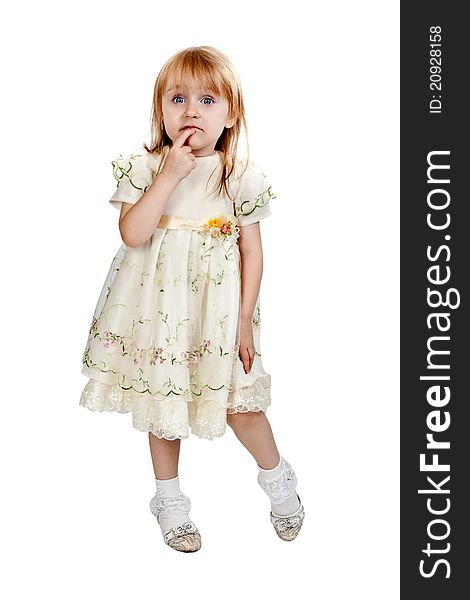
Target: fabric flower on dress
222, 226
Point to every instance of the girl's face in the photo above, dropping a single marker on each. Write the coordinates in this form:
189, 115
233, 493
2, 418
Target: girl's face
191, 105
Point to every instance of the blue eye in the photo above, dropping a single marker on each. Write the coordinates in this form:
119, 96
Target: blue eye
205, 98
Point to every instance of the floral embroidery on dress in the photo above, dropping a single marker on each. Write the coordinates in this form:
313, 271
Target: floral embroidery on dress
124, 167
195, 353
247, 206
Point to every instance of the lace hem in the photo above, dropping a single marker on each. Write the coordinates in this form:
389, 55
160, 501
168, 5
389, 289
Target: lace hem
171, 418
252, 398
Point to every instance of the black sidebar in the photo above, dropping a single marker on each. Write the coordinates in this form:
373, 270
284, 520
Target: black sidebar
434, 301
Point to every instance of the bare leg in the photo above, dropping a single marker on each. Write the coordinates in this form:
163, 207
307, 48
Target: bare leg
255, 433
165, 456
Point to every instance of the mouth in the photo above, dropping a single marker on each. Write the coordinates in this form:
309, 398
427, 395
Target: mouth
191, 127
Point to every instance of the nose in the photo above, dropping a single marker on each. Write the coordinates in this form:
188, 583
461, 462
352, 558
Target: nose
192, 108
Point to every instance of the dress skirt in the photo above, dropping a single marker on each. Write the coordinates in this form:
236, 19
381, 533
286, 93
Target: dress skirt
164, 340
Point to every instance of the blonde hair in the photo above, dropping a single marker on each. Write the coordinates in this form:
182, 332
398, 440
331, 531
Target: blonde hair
214, 71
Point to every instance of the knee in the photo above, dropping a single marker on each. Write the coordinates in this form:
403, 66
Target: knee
242, 419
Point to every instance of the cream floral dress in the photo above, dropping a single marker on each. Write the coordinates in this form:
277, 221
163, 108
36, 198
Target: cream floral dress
164, 338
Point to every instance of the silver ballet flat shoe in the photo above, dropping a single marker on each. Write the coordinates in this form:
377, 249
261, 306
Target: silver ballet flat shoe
185, 537
279, 489
288, 527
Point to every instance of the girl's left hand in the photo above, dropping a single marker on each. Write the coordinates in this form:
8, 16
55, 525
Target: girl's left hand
247, 347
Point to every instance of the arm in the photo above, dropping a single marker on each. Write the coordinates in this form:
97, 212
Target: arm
251, 254
138, 221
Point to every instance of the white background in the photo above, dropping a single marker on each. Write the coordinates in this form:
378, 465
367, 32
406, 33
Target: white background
321, 87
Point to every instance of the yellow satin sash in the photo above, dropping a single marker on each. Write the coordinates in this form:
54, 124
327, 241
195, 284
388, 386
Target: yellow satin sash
174, 222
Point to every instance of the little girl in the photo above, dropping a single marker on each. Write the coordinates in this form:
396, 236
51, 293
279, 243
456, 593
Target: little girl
175, 337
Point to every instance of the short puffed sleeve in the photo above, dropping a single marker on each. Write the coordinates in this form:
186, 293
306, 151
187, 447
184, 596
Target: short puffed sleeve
133, 175
252, 201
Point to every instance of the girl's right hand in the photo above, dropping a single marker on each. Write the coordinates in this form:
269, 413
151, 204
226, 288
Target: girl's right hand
180, 161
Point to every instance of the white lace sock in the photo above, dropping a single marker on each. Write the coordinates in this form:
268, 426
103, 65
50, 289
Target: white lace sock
168, 488
291, 504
